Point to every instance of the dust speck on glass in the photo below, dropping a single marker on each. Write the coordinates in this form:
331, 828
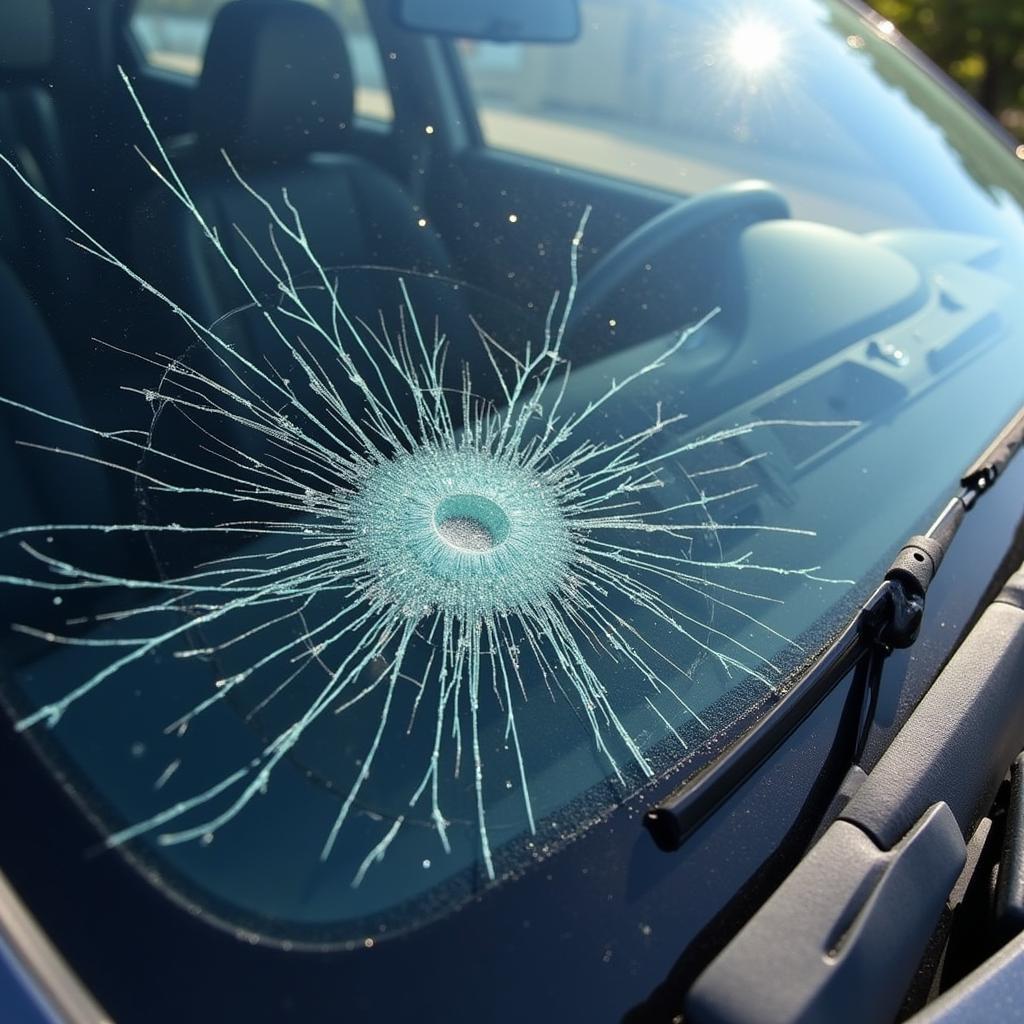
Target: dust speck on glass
545, 415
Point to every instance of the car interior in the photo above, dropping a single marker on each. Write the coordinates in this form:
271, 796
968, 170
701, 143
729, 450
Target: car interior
277, 95
371, 195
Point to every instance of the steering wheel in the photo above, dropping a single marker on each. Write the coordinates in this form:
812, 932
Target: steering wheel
736, 206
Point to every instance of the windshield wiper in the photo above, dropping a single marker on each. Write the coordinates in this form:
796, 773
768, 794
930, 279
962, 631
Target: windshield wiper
889, 619
842, 937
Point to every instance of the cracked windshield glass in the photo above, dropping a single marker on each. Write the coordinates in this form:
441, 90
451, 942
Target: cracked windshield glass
472, 425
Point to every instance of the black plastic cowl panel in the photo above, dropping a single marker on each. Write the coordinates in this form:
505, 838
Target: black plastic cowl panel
962, 737
1009, 903
840, 940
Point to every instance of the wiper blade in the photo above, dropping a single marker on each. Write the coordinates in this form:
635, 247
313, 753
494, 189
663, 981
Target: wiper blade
889, 619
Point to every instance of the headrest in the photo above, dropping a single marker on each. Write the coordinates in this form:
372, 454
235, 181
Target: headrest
276, 81
26, 36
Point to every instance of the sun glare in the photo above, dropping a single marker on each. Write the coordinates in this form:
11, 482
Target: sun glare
755, 46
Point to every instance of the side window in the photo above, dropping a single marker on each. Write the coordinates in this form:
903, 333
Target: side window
579, 103
655, 92
172, 35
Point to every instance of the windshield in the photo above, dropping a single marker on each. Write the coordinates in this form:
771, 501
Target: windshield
478, 431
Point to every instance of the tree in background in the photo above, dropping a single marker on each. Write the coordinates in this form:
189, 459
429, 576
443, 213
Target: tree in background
980, 43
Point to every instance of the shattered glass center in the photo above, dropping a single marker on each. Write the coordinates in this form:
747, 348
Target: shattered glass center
471, 523
455, 530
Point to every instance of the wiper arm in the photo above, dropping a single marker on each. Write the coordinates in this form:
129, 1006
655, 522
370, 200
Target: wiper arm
889, 619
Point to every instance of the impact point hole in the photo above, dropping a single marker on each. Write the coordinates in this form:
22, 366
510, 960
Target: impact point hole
471, 522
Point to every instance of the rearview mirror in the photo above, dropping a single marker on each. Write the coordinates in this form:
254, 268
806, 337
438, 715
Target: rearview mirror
526, 21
